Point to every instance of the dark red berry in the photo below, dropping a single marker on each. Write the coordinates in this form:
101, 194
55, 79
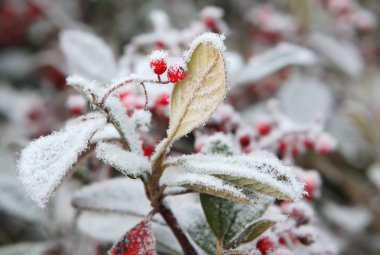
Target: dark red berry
158, 66
176, 74
244, 140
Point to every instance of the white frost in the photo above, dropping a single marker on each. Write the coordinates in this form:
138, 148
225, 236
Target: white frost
48, 160
259, 167
126, 162
88, 55
124, 123
283, 55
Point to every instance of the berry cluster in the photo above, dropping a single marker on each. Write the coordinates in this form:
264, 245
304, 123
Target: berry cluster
158, 64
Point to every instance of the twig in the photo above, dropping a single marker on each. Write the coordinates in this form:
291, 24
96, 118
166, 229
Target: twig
146, 96
126, 82
171, 220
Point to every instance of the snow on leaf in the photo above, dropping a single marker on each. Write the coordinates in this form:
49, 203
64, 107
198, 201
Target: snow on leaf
342, 54
236, 252
139, 240
119, 195
283, 55
175, 177
124, 124
45, 162
89, 88
218, 213
109, 227
303, 98
197, 96
88, 55
253, 230
259, 171
126, 162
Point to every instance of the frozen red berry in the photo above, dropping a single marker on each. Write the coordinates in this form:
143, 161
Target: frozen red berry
158, 66
176, 74
265, 244
162, 99
245, 140
263, 127
158, 61
281, 147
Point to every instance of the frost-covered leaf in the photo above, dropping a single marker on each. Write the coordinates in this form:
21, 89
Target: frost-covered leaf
236, 252
109, 227
119, 195
218, 213
126, 162
283, 55
303, 98
45, 162
175, 177
91, 89
302, 9
30, 249
342, 54
252, 231
197, 96
124, 124
259, 171
138, 240
88, 55
14, 201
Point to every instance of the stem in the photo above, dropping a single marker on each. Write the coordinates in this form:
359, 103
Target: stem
126, 82
146, 96
219, 246
171, 220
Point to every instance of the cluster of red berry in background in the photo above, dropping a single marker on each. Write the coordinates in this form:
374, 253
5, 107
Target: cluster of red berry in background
297, 231
15, 21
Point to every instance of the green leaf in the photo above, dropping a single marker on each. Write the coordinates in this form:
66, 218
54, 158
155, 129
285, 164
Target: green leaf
219, 214
226, 218
252, 231
302, 11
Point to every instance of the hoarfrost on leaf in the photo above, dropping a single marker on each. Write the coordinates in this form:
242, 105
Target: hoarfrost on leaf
176, 177
88, 55
198, 95
45, 163
119, 195
124, 124
283, 55
126, 162
259, 171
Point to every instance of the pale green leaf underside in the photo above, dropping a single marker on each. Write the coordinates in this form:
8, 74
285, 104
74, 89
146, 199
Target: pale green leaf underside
197, 96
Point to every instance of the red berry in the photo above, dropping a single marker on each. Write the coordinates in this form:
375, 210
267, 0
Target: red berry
147, 149
309, 145
263, 128
176, 74
160, 45
76, 110
158, 66
309, 188
244, 140
295, 151
265, 244
162, 100
281, 147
